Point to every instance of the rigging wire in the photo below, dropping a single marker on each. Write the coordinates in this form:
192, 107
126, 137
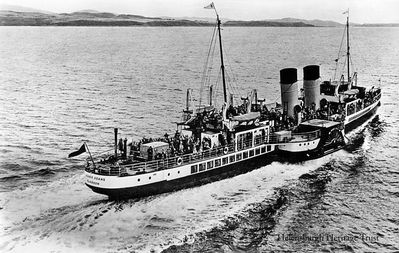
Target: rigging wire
339, 54
233, 89
216, 88
206, 64
343, 68
206, 85
208, 74
233, 79
352, 65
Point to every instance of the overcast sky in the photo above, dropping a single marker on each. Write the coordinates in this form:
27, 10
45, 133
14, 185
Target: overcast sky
361, 11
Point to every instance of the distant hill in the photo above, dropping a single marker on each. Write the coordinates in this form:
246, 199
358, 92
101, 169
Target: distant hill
12, 15
94, 18
314, 22
89, 11
13, 18
206, 19
266, 24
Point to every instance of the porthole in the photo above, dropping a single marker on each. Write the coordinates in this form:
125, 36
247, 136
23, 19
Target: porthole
149, 178
168, 174
138, 179
178, 172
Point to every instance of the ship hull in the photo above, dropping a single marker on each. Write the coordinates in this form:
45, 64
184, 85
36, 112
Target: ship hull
185, 182
123, 187
294, 157
321, 151
299, 151
361, 117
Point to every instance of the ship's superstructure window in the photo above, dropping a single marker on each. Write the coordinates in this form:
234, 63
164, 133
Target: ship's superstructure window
239, 157
263, 149
194, 168
257, 151
260, 136
217, 163
210, 165
245, 154
232, 158
225, 160
269, 148
202, 166
244, 140
251, 152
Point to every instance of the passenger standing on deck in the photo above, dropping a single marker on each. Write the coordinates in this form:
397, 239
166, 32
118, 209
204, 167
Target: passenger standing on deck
198, 145
167, 138
150, 153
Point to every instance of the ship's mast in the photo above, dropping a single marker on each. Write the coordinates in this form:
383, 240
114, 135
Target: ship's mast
347, 45
221, 60
212, 6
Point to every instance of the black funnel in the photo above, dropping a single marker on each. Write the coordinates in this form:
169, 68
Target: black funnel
288, 76
311, 72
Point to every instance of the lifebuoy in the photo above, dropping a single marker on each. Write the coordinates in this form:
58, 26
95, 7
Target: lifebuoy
179, 161
225, 150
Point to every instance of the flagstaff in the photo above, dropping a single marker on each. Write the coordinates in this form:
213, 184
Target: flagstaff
347, 45
212, 6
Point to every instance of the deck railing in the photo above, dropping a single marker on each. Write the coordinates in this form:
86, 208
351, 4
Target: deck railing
134, 168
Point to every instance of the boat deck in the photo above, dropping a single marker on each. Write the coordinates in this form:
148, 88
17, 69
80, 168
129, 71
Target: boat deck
129, 167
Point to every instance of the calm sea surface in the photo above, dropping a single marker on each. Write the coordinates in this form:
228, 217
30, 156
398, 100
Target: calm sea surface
60, 86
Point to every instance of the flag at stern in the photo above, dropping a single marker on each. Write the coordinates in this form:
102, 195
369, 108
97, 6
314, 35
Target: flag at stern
211, 6
81, 150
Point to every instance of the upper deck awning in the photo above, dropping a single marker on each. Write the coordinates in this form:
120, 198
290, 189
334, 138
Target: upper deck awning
156, 144
247, 117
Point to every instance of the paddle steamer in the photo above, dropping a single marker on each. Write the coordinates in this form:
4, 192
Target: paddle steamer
213, 143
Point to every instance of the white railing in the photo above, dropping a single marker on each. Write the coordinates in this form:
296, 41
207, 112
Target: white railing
134, 168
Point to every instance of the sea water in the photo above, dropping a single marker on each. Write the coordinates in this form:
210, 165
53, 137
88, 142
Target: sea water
61, 86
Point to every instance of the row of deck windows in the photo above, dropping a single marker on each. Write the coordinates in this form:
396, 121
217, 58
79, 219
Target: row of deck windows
225, 160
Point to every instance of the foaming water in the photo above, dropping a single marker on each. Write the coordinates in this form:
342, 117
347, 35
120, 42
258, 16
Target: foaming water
63, 86
155, 222
346, 204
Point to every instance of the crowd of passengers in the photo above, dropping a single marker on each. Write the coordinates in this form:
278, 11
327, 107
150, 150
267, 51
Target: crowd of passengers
178, 145
369, 98
181, 144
